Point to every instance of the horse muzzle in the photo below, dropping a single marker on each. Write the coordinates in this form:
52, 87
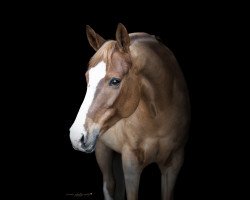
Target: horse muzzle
88, 144
85, 142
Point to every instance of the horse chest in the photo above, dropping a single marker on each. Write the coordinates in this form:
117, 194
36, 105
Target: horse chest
144, 148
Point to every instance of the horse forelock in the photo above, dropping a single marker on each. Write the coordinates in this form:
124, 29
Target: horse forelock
103, 54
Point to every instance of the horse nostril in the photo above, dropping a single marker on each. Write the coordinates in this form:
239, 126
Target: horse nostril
82, 139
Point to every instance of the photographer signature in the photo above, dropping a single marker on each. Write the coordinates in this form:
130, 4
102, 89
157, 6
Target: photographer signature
79, 194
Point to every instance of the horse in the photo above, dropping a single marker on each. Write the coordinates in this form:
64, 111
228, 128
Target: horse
137, 106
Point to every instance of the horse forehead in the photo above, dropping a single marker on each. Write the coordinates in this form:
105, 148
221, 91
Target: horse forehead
97, 72
120, 62
120, 57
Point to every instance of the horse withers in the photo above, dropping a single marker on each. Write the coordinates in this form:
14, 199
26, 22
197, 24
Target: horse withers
136, 105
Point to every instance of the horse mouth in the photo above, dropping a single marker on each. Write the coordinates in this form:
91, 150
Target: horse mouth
90, 143
88, 149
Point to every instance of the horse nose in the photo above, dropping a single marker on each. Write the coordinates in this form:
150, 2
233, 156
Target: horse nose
82, 140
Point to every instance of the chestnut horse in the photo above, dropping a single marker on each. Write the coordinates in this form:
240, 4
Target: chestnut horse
137, 105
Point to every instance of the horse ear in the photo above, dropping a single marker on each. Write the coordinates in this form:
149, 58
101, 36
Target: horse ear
122, 38
95, 40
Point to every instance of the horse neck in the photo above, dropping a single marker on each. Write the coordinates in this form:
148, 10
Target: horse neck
155, 64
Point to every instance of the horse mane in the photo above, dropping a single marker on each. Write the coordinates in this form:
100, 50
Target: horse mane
103, 54
141, 36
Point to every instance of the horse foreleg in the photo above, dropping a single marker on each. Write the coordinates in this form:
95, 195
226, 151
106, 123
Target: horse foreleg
119, 177
132, 171
169, 173
104, 156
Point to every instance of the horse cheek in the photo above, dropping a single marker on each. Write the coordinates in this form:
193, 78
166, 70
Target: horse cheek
129, 102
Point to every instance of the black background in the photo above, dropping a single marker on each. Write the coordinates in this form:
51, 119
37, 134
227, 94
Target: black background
192, 41
50, 86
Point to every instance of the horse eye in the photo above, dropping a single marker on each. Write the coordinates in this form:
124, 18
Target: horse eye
114, 82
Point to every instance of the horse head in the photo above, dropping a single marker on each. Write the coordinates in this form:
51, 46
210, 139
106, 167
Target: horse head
113, 89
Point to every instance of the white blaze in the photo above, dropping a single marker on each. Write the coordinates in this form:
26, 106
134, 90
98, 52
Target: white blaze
77, 130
